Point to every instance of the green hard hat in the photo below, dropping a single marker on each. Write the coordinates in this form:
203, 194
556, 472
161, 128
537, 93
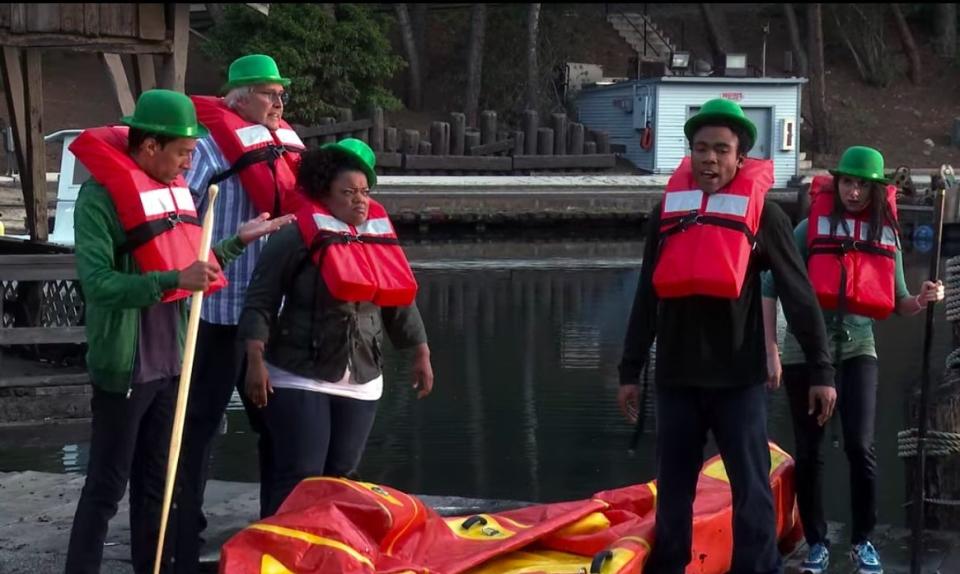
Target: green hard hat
166, 112
360, 151
861, 162
254, 69
724, 111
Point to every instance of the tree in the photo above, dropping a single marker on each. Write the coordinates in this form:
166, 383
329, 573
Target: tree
414, 91
533, 79
861, 26
418, 19
478, 25
331, 64
909, 46
945, 29
718, 32
822, 136
795, 42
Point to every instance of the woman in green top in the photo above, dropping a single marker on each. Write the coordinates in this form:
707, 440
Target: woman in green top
859, 179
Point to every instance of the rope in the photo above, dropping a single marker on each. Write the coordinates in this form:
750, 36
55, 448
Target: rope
952, 288
937, 443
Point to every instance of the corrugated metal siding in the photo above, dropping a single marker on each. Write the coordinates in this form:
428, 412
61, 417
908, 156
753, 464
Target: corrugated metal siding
673, 100
596, 111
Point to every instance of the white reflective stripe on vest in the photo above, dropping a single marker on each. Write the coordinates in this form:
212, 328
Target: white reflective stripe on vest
379, 226
330, 223
184, 199
254, 135
289, 137
728, 204
888, 237
682, 201
823, 227
157, 202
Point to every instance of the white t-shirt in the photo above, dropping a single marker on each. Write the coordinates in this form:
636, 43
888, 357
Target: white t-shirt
345, 387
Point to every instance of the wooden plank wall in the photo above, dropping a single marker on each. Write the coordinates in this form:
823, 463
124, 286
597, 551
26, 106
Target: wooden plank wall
143, 21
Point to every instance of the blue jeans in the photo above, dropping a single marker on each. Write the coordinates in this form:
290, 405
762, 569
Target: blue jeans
312, 434
738, 418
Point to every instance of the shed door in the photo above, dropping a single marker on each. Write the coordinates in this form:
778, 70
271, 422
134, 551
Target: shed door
763, 119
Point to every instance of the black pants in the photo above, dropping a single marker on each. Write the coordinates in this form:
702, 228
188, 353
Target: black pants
219, 368
130, 441
313, 434
738, 419
857, 405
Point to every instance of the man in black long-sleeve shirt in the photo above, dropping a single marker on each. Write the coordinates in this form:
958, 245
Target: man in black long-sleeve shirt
711, 361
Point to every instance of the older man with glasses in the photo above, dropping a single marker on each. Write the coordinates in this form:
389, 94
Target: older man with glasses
253, 155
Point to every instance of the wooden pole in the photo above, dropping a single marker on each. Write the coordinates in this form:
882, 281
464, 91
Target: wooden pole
36, 203
186, 371
488, 127
376, 132
457, 131
560, 134
531, 122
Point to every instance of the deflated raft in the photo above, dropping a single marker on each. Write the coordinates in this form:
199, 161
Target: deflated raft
332, 525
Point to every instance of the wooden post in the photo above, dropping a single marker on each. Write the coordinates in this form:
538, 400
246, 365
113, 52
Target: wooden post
36, 204
436, 138
471, 138
446, 137
344, 115
326, 122
13, 80
530, 124
146, 72
488, 127
560, 134
390, 143
576, 139
121, 86
411, 141
518, 138
603, 142
175, 65
589, 148
545, 141
425, 148
376, 132
457, 130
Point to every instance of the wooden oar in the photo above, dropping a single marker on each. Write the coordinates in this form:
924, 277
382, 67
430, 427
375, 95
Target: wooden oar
180, 414
919, 489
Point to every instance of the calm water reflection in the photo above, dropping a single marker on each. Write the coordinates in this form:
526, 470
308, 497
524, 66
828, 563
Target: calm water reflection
525, 341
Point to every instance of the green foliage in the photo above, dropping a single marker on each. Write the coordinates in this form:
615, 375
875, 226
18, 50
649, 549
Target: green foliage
331, 64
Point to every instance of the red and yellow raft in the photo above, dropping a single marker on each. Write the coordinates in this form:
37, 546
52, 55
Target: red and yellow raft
332, 525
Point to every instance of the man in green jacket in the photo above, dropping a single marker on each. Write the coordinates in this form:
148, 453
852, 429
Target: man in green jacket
136, 341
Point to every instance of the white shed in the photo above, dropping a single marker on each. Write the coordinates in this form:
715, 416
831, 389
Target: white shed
626, 109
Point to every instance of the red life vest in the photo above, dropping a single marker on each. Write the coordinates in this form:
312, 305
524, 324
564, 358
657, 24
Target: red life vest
160, 220
363, 263
267, 161
843, 260
707, 239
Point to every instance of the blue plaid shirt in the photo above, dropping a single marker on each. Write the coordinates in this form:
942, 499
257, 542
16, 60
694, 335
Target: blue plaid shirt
233, 208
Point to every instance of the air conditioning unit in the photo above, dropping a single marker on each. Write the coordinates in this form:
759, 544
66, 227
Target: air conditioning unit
788, 134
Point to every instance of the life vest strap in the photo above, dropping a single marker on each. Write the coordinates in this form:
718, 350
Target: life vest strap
676, 224
145, 232
267, 153
324, 240
829, 246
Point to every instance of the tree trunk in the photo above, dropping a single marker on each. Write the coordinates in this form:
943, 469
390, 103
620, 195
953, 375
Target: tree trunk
533, 74
418, 18
217, 13
414, 91
478, 24
718, 33
909, 46
331, 10
795, 42
822, 137
945, 29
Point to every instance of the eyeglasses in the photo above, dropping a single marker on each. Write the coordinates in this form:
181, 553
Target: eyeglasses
282, 97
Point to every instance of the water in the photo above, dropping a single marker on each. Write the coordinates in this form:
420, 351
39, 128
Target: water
525, 339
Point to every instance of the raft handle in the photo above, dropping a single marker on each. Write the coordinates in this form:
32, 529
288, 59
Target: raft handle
475, 519
596, 567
